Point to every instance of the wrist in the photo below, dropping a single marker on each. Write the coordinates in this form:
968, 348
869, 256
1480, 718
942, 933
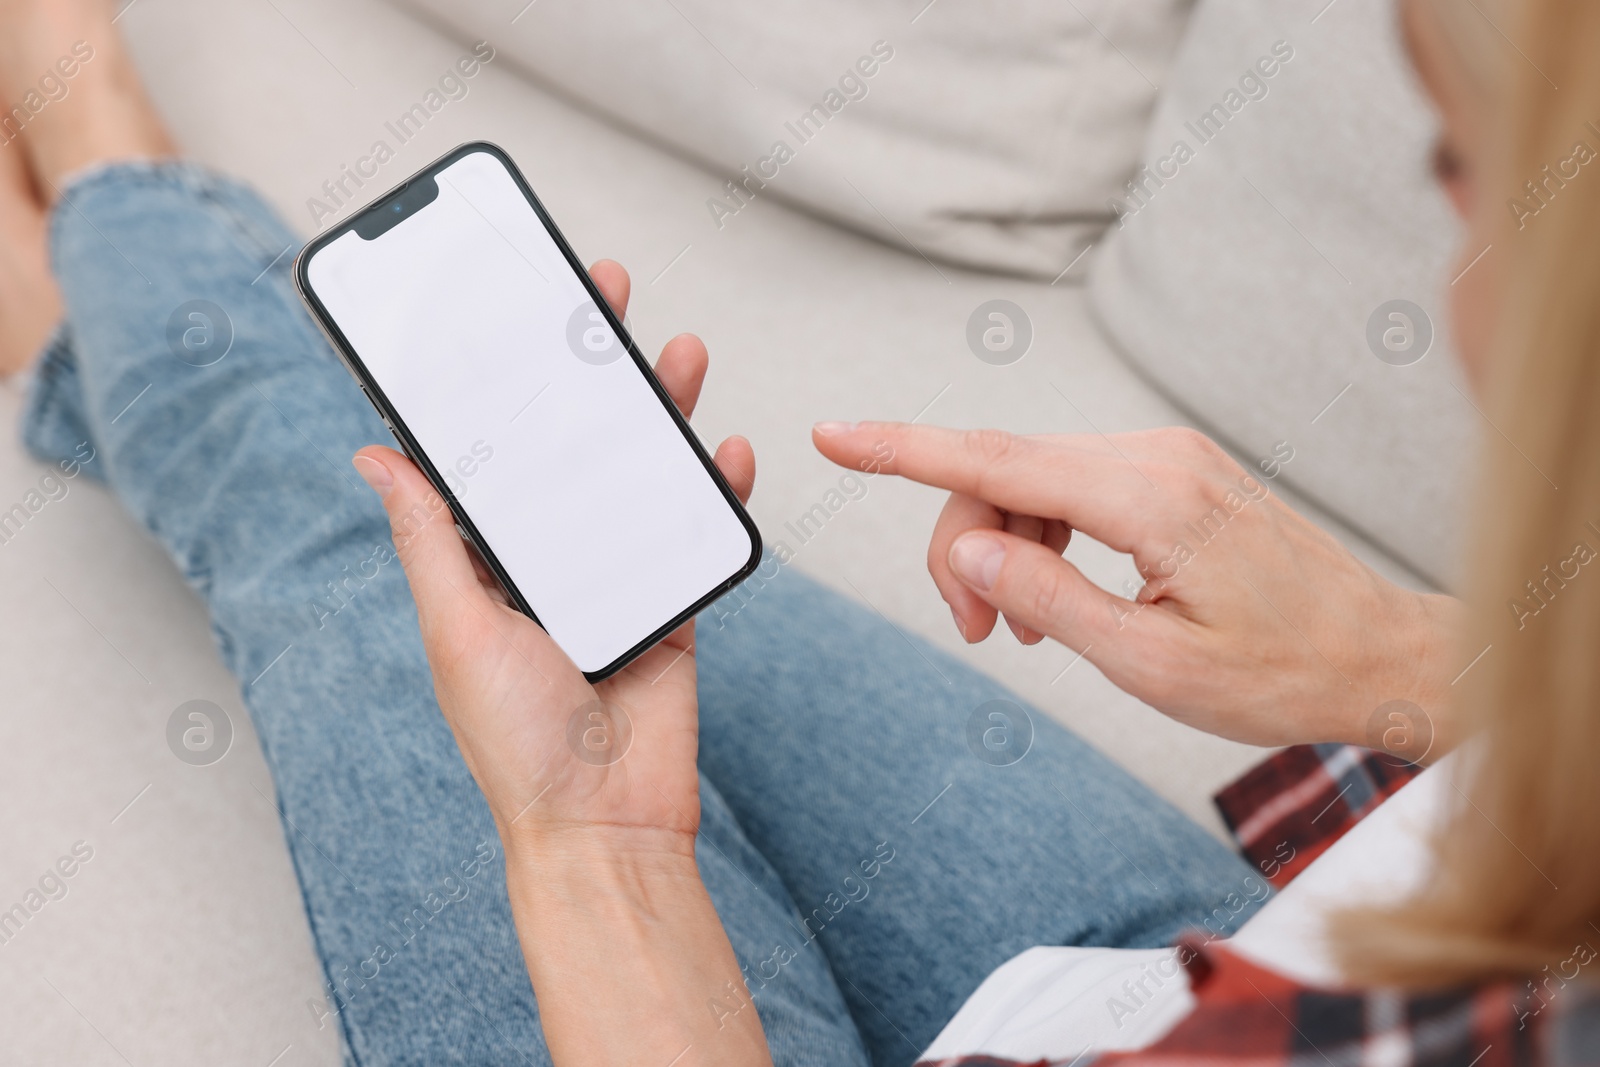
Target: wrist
623, 862
626, 951
1407, 709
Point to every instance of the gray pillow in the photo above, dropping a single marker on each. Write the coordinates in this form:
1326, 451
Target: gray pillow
987, 134
1252, 273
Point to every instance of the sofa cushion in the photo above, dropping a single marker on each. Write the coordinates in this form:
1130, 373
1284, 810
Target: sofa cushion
1287, 204
992, 137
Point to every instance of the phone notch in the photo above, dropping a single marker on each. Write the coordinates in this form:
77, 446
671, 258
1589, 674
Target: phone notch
385, 215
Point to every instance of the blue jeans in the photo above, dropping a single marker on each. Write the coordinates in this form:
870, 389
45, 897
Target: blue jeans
870, 840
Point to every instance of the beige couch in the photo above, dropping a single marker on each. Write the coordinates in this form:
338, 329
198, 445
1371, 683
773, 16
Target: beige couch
181, 940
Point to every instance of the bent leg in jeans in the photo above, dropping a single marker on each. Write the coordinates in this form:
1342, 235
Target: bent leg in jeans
826, 736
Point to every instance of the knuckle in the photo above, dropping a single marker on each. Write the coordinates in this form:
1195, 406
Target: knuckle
993, 450
991, 446
1201, 465
1049, 596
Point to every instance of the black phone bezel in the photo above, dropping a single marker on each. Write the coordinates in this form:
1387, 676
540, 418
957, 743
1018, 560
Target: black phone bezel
397, 425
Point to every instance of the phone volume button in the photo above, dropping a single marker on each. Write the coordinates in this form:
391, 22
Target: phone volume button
375, 407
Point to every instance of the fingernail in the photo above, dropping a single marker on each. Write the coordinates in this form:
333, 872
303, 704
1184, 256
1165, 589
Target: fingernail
976, 559
833, 429
374, 474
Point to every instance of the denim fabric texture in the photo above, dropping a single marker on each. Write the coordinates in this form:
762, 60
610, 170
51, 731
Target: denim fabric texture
870, 866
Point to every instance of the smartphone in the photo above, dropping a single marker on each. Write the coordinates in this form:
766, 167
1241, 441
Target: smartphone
476, 333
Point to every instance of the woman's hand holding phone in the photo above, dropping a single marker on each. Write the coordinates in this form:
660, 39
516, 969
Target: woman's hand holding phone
594, 788
1252, 624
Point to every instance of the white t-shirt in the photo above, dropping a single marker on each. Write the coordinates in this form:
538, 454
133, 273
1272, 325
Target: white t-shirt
1061, 1002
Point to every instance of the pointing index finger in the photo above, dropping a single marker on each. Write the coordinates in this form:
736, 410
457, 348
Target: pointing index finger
1082, 480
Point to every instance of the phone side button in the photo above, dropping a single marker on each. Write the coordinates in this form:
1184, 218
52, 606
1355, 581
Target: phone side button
469, 539
376, 408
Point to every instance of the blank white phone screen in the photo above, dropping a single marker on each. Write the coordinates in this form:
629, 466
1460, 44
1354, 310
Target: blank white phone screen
471, 321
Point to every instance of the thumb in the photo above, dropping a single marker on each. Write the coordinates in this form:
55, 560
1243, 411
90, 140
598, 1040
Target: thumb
443, 581
1032, 585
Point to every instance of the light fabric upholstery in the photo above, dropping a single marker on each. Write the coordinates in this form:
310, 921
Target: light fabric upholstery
1243, 287
992, 137
183, 940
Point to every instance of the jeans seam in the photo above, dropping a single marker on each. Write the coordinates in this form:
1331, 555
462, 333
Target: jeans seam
324, 957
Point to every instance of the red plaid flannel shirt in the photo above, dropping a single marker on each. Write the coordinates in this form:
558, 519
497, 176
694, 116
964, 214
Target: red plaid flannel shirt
1285, 813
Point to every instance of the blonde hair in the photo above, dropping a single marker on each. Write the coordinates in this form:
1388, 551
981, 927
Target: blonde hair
1517, 880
